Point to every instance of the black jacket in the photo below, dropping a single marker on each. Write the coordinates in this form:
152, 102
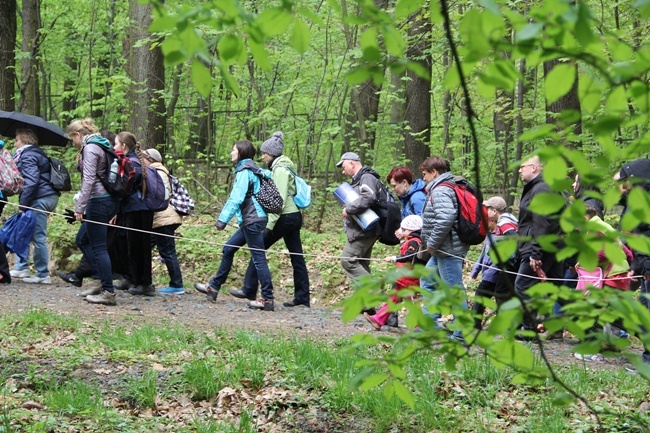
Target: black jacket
534, 225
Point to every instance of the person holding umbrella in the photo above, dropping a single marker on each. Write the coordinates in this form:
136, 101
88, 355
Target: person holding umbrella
38, 194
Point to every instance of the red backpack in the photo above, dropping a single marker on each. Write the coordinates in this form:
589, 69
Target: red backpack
471, 223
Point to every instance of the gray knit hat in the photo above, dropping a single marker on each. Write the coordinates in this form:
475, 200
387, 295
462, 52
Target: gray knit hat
274, 145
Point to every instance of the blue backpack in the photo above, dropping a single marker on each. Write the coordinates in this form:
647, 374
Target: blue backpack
302, 197
157, 195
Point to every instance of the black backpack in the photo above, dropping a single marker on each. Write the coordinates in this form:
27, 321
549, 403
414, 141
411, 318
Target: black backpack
268, 196
390, 214
120, 176
59, 176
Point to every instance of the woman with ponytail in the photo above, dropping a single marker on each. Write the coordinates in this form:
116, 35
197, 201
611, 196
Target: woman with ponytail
95, 206
136, 216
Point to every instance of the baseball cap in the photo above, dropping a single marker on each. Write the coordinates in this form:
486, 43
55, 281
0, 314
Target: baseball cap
497, 203
348, 156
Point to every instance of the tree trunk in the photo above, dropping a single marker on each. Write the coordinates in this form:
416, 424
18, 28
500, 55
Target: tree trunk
514, 180
418, 96
570, 101
7, 54
145, 65
30, 102
446, 110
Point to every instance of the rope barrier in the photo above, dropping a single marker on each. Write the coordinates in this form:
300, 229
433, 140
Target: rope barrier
279, 252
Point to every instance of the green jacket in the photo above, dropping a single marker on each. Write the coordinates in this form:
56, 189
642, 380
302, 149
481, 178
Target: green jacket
286, 184
619, 267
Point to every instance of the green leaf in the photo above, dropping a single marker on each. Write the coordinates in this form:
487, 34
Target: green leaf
373, 381
617, 101
523, 357
301, 37
274, 22
404, 8
506, 249
259, 54
563, 399
359, 75
547, 203
556, 172
589, 92
395, 44
529, 32
583, 25
559, 81
201, 78
419, 70
164, 23
404, 394
229, 47
229, 80
452, 79
491, 6
541, 132
504, 320
397, 371
643, 6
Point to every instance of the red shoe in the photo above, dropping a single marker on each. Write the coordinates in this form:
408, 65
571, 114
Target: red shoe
372, 321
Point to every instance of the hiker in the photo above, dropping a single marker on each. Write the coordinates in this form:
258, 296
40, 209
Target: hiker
252, 220
137, 248
165, 223
284, 226
410, 193
534, 262
495, 283
637, 174
5, 273
410, 227
442, 241
38, 194
94, 204
358, 247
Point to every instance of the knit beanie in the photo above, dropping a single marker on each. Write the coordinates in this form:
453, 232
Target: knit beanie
411, 223
274, 145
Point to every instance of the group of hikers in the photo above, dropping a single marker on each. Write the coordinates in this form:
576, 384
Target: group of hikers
117, 233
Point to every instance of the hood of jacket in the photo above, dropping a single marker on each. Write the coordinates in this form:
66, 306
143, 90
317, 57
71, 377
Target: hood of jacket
417, 185
98, 140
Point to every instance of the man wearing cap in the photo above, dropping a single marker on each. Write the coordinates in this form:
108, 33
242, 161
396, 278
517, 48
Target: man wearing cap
534, 261
358, 248
285, 226
637, 173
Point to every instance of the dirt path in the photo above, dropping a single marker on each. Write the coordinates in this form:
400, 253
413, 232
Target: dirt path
193, 310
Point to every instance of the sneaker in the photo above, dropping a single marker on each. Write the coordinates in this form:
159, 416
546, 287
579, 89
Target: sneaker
291, 304
171, 291
105, 298
95, 290
148, 290
261, 304
393, 320
372, 321
38, 280
20, 274
238, 293
597, 357
70, 277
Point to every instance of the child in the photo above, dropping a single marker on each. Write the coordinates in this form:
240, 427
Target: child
410, 228
491, 274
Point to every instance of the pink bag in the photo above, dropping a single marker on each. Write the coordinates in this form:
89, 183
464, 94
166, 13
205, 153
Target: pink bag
588, 279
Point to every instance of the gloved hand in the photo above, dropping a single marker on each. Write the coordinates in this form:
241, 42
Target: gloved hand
69, 216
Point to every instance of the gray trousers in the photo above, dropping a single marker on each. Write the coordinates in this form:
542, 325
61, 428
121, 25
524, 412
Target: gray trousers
353, 254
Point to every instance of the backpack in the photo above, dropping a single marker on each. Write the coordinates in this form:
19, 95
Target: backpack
157, 195
472, 216
120, 175
180, 199
11, 182
390, 214
268, 196
59, 176
302, 197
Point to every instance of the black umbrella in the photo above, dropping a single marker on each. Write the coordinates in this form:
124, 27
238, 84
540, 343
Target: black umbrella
639, 168
46, 132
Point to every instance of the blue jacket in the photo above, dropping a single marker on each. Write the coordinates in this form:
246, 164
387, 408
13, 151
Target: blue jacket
34, 166
484, 264
413, 201
134, 202
240, 203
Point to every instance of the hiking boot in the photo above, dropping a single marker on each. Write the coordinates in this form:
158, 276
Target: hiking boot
124, 284
261, 304
96, 289
171, 291
105, 298
148, 290
201, 288
238, 293
38, 280
392, 320
293, 303
20, 274
372, 321
70, 277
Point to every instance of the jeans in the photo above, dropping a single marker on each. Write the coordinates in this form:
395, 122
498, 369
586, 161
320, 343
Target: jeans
353, 255
91, 238
251, 235
39, 239
167, 248
450, 271
527, 278
288, 228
